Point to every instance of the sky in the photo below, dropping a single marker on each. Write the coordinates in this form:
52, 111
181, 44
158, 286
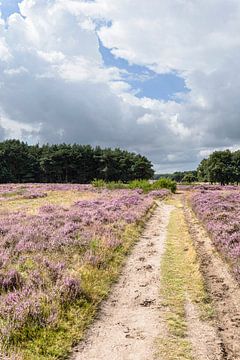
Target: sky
157, 77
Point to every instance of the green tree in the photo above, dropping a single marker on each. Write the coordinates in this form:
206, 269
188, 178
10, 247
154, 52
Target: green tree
220, 167
189, 178
236, 166
69, 163
202, 171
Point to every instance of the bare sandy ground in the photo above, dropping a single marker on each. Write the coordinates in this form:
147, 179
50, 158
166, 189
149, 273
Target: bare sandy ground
129, 320
206, 344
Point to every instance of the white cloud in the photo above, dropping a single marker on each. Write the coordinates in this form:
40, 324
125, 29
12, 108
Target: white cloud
15, 71
55, 87
15, 129
146, 119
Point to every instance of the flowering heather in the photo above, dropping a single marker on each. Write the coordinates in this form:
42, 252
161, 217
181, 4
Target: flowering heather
43, 255
220, 212
208, 187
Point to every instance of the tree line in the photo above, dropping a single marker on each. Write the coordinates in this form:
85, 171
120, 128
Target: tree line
179, 176
64, 163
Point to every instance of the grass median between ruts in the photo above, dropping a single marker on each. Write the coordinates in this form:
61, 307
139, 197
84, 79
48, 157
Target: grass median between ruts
181, 281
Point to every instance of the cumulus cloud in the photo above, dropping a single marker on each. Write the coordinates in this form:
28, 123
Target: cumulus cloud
55, 87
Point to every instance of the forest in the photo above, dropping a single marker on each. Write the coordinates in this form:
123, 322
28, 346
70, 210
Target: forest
63, 163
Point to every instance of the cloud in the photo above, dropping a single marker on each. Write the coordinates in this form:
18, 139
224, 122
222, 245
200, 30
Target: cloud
55, 87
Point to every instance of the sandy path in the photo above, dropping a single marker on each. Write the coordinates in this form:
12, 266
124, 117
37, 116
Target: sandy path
129, 321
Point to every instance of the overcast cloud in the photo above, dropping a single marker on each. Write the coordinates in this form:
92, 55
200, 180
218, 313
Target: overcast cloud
55, 87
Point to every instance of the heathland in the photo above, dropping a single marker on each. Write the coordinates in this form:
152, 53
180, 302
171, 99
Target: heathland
62, 246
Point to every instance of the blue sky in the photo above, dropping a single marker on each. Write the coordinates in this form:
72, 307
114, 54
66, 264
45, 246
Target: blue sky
155, 86
8, 7
145, 82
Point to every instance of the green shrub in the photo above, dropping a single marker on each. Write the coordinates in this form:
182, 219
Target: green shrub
164, 183
140, 184
144, 185
99, 183
112, 185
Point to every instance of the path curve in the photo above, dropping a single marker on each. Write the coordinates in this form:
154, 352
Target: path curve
129, 320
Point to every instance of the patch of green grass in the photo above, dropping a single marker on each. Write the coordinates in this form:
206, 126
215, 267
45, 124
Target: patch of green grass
181, 279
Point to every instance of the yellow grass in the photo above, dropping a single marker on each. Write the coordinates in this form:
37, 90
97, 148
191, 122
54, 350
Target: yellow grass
181, 279
62, 198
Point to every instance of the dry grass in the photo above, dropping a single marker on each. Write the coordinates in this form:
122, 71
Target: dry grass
181, 279
62, 198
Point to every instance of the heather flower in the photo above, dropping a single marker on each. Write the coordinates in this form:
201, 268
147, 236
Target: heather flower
92, 259
12, 280
220, 213
55, 269
69, 289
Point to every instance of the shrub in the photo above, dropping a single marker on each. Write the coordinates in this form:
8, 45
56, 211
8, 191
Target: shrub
98, 183
140, 184
112, 185
11, 281
70, 290
165, 184
144, 185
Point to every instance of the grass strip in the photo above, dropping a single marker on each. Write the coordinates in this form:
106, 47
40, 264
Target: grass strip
180, 278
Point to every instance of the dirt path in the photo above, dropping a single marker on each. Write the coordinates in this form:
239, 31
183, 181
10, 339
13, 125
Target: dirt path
153, 316
129, 321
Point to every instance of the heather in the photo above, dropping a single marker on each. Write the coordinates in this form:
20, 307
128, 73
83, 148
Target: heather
58, 261
208, 187
220, 212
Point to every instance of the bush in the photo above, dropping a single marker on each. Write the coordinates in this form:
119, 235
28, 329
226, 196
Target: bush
99, 183
165, 184
112, 185
144, 185
140, 184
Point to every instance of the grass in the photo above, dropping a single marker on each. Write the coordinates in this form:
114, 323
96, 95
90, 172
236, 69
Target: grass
63, 198
181, 279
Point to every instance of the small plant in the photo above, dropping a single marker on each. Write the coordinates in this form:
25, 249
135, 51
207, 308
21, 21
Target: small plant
11, 281
70, 290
